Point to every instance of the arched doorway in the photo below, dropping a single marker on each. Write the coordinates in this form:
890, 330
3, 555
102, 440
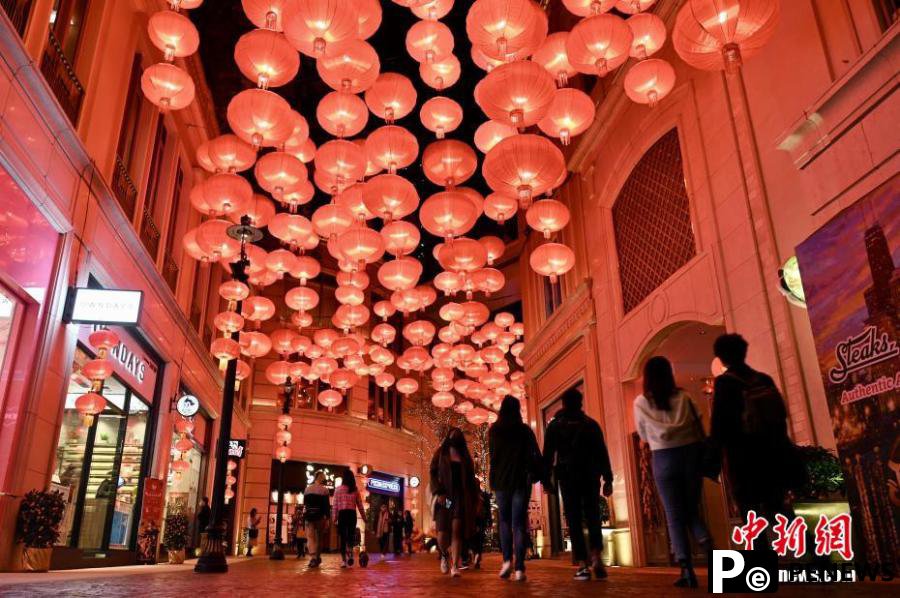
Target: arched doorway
688, 345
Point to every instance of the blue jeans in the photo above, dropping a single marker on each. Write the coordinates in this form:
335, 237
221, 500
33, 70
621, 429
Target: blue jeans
513, 506
680, 484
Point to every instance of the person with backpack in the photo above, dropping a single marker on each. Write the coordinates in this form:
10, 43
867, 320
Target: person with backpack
749, 427
666, 418
574, 450
316, 514
515, 466
347, 502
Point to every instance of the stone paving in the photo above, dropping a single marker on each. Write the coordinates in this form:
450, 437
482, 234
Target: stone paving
416, 576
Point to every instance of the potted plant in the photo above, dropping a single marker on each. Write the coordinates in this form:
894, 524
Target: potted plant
175, 536
37, 527
824, 476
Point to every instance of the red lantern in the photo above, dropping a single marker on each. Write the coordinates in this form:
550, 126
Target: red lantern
229, 153
213, 239
719, 34
500, 207
331, 220
492, 132
419, 333
441, 74
391, 147
517, 94
599, 44
283, 453
103, 341
283, 340
570, 114
173, 33
350, 65
586, 8
360, 245
449, 162
234, 290
302, 299
384, 309
266, 14
547, 216
440, 115
258, 308
649, 35
278, 372
506, 29
313, 26
342, 114
225, 349
279, 173
631, 7
649, 81
266, 58
494, 247
384, 380
552, 259
552, 56
488, 280
261, 117
463, 255
222, 193
228, 322
349, 295
369, 17
383, 334
448, 214
400, 237
392, 96
431, 10
305, 268
254, 344
167, 86
443, 400
448, 282
523, 166
406, 386
390, 197
429, 41
97, 369
339, 164
290, 228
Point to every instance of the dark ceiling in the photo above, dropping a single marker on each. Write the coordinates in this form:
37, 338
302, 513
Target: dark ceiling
222, 23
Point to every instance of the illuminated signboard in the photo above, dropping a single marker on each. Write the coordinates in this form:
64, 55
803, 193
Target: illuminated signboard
385, 484
236, 448
105, 306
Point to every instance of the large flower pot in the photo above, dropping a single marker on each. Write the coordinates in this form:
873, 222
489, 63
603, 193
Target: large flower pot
36, 559
176, 557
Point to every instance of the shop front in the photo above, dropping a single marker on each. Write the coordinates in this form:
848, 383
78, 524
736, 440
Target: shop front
101, 461
382, 489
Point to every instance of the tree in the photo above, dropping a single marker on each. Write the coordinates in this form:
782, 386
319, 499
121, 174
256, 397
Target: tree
434, 425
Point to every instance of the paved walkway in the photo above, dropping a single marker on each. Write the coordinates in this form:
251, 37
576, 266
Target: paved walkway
416, 577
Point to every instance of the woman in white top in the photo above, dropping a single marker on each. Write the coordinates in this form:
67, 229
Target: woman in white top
666, 419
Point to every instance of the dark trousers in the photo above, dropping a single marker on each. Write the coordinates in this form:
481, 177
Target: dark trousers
680, 485
513, 507
346, 527
383, 542
581, 503
397, 533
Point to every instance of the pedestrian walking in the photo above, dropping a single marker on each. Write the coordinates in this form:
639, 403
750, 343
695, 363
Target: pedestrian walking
347, 502
383, 529
515, 466
397, 529
408, 525
316, 515
203, 515
253, 521
574, 450
455, 491
667, 419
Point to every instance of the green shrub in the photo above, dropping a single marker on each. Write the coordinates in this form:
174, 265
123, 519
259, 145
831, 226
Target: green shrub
39, 516
177, 531
824, 472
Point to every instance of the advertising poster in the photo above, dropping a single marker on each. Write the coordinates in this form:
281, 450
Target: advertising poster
852, 287
152, 507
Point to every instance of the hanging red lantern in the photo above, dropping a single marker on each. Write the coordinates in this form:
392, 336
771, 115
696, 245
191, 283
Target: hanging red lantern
547, 216
392, 96
552, 259
173, 33
254, 344
266, 14
290, 228
419, 333
384, 380
441, 115
225, 349
266, 58
449, 162
494, 248
631, 7
517, 93
463, 255
228, 153
347, 295
167, 86
360, 245
261, 117
586, 8
719, 34
280, 261
571, 113
278, 372
305, 268
552, 56
406, 386
279, 173
400, 237
369, 12
599, 44
314, 26
523, 166
648, 35
350, 65
488, 280
390, 197
448, 214
331, 220
649, 81
339, 163
391, 147
384, 334
97, 370
213, 239
258, 308
429, 41
441, 74
222, 193
384, 309
443, 400
506, 29
234, 290
228, 322
448, 282
302, 299
492, 132
500, 207
342, 114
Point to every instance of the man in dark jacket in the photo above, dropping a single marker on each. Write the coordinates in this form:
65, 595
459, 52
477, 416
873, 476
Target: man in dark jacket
758, 457
574, 450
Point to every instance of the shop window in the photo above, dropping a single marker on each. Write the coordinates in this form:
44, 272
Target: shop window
99, 466
67, 25
385, 405
652, 222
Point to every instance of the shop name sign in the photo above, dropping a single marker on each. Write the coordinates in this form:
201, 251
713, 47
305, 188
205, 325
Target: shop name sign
105, 306
861, 351
236, 448
387, 486
131, 361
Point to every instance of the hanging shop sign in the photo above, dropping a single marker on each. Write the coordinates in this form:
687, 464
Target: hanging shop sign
850, 273
384, 484
414, 481
236, 448
104, 306
187, 405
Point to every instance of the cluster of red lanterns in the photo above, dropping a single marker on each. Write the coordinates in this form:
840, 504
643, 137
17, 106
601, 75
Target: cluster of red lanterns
527, 101
96, 370
166, 85
184, 427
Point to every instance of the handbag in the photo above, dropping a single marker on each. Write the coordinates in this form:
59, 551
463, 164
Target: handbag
710, 456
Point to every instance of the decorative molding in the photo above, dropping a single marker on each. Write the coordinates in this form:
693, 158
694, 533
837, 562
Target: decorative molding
561, 329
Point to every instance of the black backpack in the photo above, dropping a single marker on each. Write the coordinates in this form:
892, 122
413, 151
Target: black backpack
764, 411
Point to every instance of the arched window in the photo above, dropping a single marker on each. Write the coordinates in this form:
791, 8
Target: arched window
652, 222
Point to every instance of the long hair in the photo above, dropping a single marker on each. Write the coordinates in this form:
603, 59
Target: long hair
349, 481
510, 413
659, 382
456, 439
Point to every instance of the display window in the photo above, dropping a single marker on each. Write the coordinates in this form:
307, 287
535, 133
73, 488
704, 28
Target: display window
184, 489
100, 463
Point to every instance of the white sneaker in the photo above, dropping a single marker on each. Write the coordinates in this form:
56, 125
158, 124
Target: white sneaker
454, 572
506, 569
520, 576
445, 566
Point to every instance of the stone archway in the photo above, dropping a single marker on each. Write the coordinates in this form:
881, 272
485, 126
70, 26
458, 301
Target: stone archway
688, 345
